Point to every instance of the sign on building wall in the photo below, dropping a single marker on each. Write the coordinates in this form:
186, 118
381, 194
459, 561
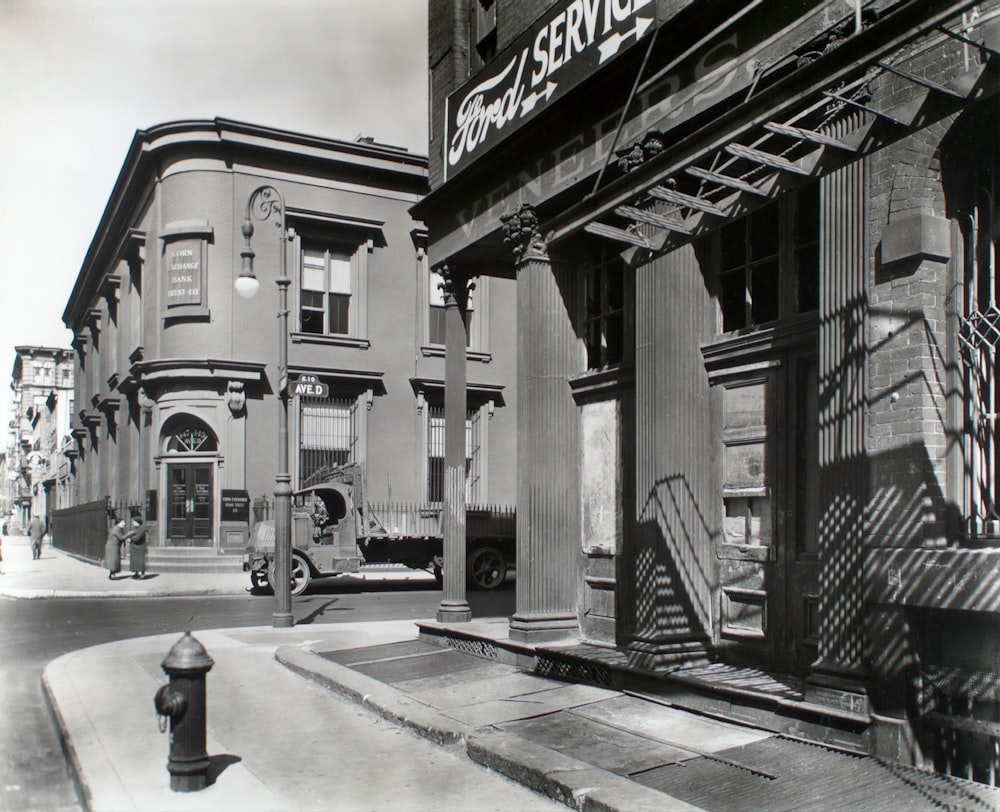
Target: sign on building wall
235, 506
183, 261
564, 47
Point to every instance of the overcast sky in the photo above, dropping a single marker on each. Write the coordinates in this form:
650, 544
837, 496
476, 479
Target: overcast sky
79, 77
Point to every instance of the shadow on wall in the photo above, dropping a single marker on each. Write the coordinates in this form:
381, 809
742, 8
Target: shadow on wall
671, 584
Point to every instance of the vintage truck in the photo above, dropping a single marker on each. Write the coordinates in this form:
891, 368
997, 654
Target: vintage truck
335, 530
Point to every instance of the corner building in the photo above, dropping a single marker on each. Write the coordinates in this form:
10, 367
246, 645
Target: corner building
755, 253
177, 376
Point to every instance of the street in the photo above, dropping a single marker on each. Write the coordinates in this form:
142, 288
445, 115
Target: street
34, 771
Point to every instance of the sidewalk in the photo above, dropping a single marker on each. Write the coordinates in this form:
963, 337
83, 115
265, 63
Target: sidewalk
59, 574
590, 748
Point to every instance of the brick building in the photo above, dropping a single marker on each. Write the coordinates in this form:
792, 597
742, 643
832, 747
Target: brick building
755, 257
177, 378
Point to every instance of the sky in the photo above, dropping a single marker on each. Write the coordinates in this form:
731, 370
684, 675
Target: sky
79, 77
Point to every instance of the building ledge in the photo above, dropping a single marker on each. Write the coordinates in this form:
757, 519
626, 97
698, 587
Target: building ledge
957, 579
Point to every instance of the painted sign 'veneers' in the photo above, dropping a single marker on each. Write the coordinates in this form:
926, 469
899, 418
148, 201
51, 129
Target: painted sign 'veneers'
555, 55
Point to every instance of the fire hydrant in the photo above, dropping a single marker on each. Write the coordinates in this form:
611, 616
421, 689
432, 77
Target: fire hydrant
182, 700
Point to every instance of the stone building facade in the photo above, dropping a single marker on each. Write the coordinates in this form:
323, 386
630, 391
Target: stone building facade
177, 378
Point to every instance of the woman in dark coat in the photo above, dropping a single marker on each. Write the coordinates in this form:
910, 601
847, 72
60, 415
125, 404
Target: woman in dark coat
113, 549
137, 548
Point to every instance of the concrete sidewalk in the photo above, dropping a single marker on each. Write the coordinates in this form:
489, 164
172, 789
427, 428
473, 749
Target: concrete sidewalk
275, 744
59, 574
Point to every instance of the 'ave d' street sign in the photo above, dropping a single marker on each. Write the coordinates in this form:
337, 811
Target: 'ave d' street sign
310, 386
565, 46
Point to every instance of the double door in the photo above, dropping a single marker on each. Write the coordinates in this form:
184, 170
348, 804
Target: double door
189, 488
768, 556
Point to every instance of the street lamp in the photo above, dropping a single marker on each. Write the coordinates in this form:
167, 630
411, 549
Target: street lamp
264, 203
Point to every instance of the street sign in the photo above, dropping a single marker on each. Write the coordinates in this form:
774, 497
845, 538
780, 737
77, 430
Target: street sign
311, 387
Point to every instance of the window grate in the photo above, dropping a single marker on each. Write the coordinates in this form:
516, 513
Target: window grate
979, 337
327, 435
435, 455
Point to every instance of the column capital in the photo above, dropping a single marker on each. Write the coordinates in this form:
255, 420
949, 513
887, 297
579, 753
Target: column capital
638, 152
521, 233
455, 283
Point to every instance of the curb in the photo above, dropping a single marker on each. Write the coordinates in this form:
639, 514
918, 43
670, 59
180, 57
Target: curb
559, 777
38, 594
385, 700
66, 744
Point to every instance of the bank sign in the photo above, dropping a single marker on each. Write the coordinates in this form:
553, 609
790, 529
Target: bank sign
564, 47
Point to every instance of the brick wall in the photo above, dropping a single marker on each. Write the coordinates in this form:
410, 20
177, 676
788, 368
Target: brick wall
911, 362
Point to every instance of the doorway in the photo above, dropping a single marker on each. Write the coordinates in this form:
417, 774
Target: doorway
767, 551
189, 509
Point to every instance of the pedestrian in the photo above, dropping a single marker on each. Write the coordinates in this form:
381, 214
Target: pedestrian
137, 547
36, 529
113, 549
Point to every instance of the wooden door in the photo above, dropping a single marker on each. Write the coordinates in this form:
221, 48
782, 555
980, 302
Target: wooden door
800, 528
767, 549
190, 505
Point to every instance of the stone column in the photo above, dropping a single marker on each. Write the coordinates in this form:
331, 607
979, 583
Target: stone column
548, 446
838, 675
454, 607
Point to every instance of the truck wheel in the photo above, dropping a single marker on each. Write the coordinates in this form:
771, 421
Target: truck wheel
299, 573
486, 568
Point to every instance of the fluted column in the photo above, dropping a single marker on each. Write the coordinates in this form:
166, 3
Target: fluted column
843, 466
454, 607
548, 448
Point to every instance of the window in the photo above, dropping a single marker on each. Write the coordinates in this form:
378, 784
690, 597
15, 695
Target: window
484, 31
325, 290
189, 439
769, 262
979, 336
604, 306
327, 435
435, 455
436, 312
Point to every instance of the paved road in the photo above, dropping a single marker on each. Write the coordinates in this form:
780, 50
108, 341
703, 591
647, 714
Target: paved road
33, 772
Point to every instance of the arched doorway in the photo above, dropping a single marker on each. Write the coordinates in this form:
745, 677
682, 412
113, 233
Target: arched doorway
191, 452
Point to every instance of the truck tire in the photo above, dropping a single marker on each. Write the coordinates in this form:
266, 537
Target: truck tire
299, 572
486, 568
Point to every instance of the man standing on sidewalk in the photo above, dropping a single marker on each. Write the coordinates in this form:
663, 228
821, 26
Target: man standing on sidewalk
36, 529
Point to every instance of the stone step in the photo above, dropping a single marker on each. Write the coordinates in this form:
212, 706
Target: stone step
193, 560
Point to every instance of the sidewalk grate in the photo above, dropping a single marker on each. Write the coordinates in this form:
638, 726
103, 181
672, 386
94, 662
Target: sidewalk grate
609, 748
785, 774
371, 654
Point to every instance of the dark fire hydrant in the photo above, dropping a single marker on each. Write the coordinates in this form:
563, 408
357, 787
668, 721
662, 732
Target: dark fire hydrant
182, 700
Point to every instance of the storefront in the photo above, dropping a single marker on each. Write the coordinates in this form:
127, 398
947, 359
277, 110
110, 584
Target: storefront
755, 341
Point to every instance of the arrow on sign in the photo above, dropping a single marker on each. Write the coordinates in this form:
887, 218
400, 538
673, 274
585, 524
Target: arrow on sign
612, 44
529, 103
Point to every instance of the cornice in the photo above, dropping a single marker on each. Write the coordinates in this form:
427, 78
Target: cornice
154, 149
199, 372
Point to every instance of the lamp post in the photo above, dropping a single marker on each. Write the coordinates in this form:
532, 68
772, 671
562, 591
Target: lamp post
264, 203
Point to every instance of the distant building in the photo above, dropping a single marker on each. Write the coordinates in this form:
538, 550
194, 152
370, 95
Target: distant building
43, 391
756, 252
177, 376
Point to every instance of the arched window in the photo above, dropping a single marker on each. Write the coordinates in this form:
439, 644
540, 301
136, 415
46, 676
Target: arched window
191, 437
